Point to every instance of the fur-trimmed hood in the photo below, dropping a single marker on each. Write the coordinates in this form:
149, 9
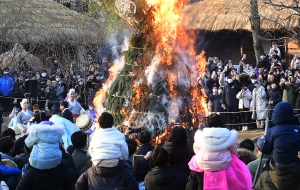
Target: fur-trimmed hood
9, 163
242, 152
44, 128
214, 139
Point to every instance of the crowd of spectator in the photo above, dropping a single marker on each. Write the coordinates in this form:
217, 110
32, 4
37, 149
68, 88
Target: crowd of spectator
53, 83
42, 157
247, 93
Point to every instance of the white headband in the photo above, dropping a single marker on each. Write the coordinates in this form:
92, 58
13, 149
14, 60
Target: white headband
23, 101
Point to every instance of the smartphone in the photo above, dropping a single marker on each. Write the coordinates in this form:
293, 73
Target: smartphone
135, 130
244, 56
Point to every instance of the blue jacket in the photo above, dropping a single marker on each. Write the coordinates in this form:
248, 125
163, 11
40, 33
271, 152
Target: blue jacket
6, 85
45, 140
9, 171
284, 138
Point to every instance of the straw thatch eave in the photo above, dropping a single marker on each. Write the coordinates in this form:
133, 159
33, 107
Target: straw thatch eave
234, 15
45, 21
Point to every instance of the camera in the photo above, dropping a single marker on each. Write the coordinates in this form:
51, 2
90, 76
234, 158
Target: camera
135, 130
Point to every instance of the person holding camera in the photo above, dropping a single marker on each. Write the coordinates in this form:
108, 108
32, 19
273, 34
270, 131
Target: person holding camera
289, 89
244, 96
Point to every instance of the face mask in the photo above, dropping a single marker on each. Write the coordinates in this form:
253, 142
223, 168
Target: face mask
80, 83
253, 81
78, 76
57, 79
5, 73
282, 80
229, 81
90, 107
220, 91
44, 74
215, 90
37, 76
98, 78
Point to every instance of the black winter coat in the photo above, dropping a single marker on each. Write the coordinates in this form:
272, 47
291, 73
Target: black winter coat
36, 179
166, 178
80, 159
144, 148
229, 94
70, 176
103, 178
275, 96
180, 155
67, 114
215, 103
195, 181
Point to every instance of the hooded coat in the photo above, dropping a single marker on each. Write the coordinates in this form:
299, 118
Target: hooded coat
166, 178
283, 140
107, 178
213, 148
45, 140
259, 104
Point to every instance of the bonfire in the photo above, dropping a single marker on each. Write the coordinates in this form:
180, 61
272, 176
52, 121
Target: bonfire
155, 82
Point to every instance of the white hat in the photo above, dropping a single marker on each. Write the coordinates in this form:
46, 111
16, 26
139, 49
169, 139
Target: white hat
18, 132
72, 90
23, 101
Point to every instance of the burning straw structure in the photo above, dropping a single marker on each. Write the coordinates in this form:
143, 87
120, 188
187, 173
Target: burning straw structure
155, 82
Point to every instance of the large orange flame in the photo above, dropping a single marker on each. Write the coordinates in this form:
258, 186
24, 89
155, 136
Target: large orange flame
173, 39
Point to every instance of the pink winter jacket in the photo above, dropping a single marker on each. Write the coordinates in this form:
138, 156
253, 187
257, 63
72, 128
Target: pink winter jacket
236, 177
213, 148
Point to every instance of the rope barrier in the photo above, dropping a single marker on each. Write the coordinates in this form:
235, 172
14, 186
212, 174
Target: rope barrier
222, 112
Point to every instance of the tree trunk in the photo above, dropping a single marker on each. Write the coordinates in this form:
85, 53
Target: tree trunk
255, 27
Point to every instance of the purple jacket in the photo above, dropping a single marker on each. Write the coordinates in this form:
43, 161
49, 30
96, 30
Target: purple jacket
92, 114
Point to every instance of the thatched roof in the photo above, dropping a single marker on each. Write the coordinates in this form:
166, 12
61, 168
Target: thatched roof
217, 15
13, 56
36, 21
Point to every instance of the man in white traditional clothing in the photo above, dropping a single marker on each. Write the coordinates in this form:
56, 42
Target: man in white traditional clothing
24, 115
70, 128
73, 105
